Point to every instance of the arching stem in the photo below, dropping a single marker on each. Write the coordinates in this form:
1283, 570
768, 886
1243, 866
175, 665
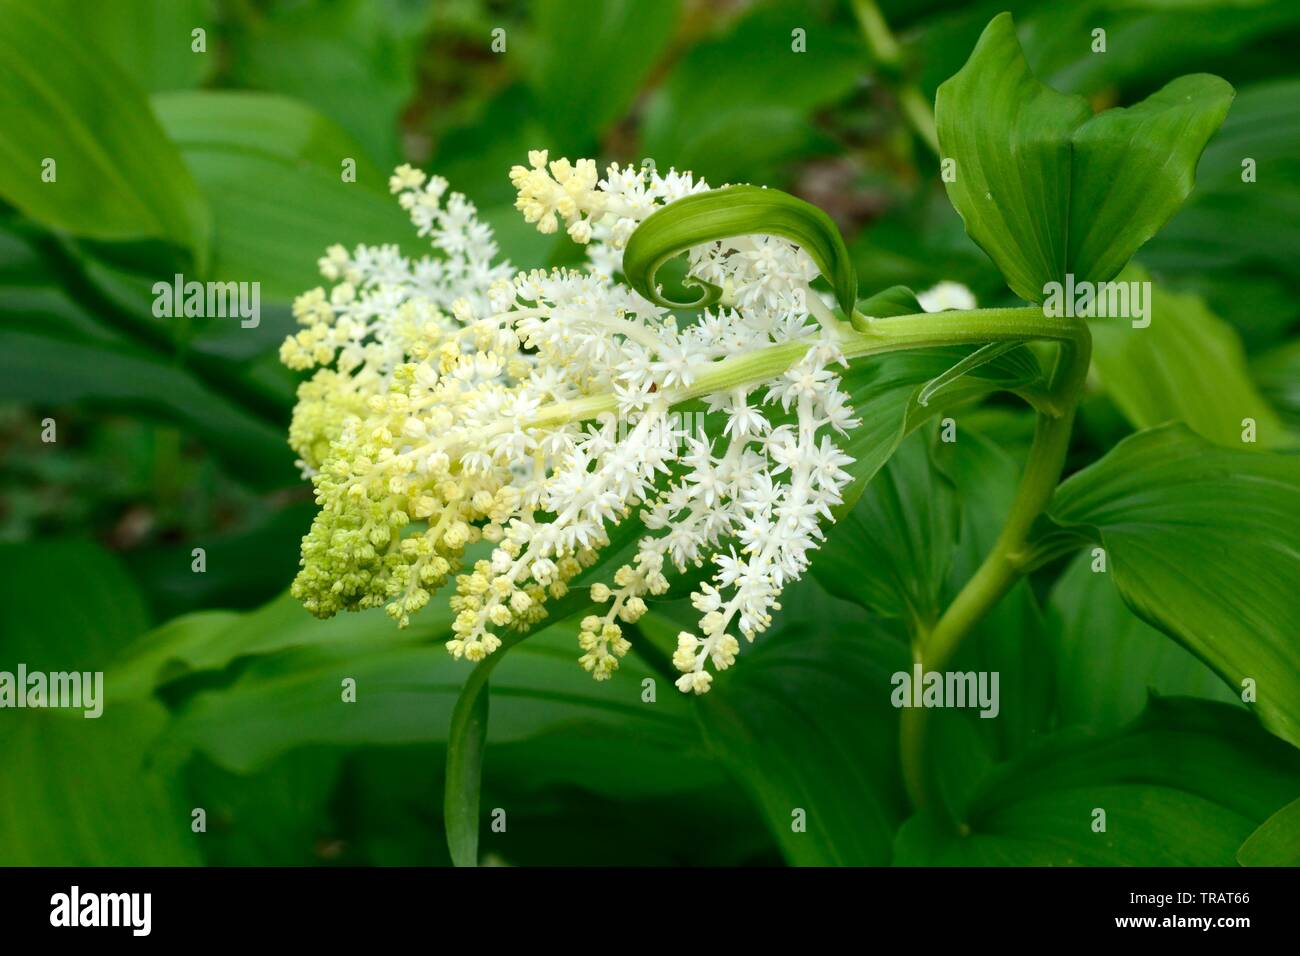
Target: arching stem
1002, 567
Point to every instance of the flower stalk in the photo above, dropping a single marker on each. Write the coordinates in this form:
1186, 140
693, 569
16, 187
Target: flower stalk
879, 336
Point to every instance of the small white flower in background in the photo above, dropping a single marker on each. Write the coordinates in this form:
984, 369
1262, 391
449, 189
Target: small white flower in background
946, 295
453, 403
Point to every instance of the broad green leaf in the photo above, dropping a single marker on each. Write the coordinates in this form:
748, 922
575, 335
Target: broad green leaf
1047, 189
65, 605
896, 300
1133, 168
79, 792
212, 640
1277, 372
153, 42
476, 155
355, 61
739, 105
891, 552
405, 694
76, 790
884, 389
116, 176
1187, 365
1276, 842
804, 722
1145, 40
726, 213
121, 375
1202, 543
282, 816
1182, 786
1010, 138
244, 568
1232, 243
272, 170
1108, 661
581, 96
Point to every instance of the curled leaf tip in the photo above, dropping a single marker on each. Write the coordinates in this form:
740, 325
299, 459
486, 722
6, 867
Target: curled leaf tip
725, 214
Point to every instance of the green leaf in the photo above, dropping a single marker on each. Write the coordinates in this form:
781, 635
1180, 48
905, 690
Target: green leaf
406, 693
804, 722
896, 300
355, 61
212, 640
1182, 786
1108, 660
121, 375
727, 213
883, 391
1047, 189
280, 817
151, 41
245, 568
77, 791
1277, 373
891, 552
1202, 543
117, 176
1133, 168
1187, 365
1276, 842
272, 170
46, 628
580, 97
1146, 40
740, 105
1234, 222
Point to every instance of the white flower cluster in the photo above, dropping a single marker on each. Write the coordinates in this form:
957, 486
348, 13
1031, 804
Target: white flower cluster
535, 411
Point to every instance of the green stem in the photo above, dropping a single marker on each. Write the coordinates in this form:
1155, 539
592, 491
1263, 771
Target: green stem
1004, 564
886, 51
466, 741
875, 31
868, 337
920, 113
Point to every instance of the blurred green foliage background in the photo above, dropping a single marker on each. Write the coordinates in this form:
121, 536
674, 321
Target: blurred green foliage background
225, 164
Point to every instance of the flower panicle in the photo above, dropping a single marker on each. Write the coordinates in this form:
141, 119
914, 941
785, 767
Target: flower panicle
469, 422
